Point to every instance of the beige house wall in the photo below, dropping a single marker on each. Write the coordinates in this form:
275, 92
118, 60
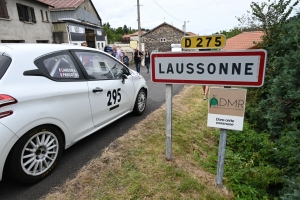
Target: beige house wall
14, 29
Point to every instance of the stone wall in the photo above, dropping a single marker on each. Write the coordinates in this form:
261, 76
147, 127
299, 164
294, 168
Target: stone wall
171, 34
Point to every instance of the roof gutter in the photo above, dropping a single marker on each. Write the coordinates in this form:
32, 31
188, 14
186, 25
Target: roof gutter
62, 9
78, 21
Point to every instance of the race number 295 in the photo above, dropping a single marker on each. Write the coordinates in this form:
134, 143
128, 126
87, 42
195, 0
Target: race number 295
114, 96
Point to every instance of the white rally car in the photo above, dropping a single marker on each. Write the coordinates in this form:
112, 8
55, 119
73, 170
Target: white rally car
52, 96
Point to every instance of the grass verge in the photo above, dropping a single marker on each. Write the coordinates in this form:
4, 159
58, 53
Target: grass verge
134, 166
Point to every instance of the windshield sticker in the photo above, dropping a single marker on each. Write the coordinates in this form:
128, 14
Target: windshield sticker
68, 73
67, 70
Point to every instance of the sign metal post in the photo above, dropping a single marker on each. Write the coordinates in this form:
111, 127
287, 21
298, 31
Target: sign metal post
169, 121
221, 157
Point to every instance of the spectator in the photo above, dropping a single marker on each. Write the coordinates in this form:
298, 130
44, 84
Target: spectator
125, 59
147, 60
137, 59
118, 54
84, 44
205, 91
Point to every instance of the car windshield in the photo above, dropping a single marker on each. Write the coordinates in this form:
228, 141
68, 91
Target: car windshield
4, 64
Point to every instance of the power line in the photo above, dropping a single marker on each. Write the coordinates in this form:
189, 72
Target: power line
167, 12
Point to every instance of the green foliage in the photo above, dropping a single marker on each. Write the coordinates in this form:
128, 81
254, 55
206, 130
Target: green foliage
119, 31
248, 171
277, 104
275, 108
115, 35
125, 29
231, 33
291, 190
267, 14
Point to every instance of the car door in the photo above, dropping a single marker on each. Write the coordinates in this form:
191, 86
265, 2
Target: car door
63, 97
110, 85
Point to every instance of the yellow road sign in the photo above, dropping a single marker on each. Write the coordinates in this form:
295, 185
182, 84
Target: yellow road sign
203, 42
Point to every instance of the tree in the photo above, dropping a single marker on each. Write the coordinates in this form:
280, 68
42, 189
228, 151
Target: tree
125, 29
267, 14
119, 30
270, 17
108, 32
275, 107
231, 33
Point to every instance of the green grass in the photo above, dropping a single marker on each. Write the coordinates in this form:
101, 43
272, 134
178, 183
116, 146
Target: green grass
134, 167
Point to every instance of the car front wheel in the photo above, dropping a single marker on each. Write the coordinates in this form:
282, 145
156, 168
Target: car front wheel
140, 102
36, 154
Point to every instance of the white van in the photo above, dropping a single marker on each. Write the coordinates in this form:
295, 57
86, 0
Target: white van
176, 47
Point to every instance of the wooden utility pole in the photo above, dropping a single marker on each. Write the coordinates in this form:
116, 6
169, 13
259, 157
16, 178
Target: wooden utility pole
139, 25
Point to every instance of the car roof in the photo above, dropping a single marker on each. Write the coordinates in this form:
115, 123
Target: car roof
37, 50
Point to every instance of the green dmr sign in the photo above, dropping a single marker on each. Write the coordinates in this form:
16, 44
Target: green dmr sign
226, 108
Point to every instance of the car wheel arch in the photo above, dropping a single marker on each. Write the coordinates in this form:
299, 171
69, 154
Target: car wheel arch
60, 130
6, 168
137, 92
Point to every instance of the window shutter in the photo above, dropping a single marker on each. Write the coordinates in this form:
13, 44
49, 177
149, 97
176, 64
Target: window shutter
3, 9
32, 15
20, 12
47, 18
42, 14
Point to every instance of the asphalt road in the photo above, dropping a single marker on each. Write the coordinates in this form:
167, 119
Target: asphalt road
81, 153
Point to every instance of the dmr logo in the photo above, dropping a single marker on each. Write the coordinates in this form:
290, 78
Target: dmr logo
229, 103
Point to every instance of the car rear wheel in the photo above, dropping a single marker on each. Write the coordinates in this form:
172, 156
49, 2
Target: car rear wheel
140, 102
36, 154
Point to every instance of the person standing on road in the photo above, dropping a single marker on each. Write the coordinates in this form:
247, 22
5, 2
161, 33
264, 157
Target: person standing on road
125, 59
118, 54
84, 44
205, 91
147, 60
137, 59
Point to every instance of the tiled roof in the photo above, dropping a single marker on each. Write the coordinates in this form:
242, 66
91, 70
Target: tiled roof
43, 2
244, 40
60, 4
134, 34
191, 33
161, 26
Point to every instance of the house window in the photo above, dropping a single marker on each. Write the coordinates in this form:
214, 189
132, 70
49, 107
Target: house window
42, 41
42, 14
26, 13
163, 40
3, 10
12, 41
47, 18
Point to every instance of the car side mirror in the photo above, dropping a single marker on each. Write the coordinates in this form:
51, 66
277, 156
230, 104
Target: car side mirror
123, 78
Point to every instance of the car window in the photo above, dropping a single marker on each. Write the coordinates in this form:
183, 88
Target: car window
61, 66
100, 66
4, 64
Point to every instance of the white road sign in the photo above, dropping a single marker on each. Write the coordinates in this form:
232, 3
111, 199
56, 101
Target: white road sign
233, 68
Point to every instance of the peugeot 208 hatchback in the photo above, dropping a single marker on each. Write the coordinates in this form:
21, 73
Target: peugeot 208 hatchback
51, 96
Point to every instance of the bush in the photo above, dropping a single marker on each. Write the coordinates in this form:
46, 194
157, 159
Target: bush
275, 108
248, 171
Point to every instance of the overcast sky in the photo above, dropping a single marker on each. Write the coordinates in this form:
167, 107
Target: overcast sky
204, 16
